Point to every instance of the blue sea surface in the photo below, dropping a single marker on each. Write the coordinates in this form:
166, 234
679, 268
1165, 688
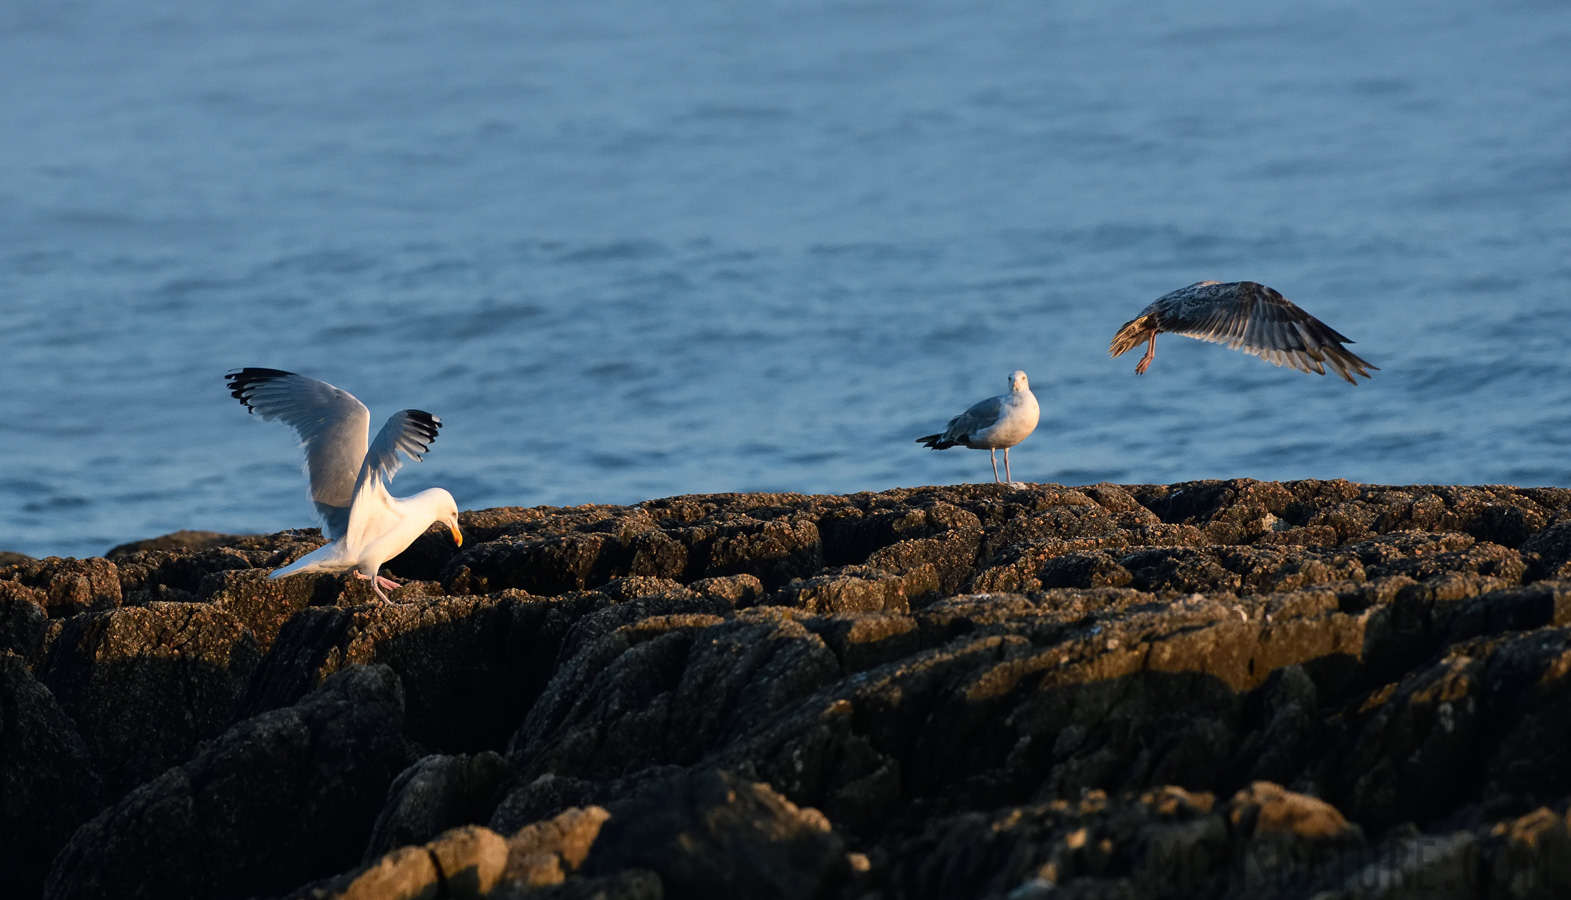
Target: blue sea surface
630, 250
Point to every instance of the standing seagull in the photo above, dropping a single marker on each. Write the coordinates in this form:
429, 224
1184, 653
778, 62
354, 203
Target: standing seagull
1245, 316
996, 423
366, 525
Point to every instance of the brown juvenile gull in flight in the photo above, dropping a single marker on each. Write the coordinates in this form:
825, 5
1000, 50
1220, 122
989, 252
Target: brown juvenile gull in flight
1245, 316
366, 525
996, 423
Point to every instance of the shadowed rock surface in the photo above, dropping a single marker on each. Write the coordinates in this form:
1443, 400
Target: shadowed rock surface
178, 540
47, 782
1221, 688
147, 683
276, 800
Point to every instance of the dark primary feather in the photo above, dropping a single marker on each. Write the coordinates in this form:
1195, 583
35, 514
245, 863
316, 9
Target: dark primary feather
935, 442
242, 384
411, 431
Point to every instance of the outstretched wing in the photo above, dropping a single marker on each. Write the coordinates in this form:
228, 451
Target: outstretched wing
409, 432
1261, 322
332, 426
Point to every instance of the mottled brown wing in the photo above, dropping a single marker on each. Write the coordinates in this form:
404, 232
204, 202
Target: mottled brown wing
1261, 322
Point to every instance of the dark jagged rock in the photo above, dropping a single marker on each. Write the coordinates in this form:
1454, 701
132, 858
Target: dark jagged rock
774, 551
309, 648
276, 801
851, 534
146, 684
1278, 730
1550, 551
1162, 842
850, 589
265, 604
48, 785
433, 795
1218, 688
178, 540
931, 568
69, 586
864, 641
713, 835
637, 615
471, 666
657, 693
152, 574
553, 565
527, 803
736, 590
23, 619
1529, 856
545, 558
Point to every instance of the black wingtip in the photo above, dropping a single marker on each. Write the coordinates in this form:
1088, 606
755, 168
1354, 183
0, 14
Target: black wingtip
428, 424
257, 373
241, 381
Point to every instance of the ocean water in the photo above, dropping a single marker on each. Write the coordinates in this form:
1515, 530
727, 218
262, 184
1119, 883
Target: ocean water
630, 250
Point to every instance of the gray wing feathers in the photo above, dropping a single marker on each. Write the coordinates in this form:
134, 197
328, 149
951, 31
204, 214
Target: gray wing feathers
332, 426
1261, 322
980, 416
337, 519
408, 432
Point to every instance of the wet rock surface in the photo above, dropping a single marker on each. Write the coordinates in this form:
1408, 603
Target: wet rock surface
1222, 688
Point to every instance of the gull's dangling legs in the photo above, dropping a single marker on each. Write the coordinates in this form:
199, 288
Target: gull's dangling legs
1145, 361
994, 454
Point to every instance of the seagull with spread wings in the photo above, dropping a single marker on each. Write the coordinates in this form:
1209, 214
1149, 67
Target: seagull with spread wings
994, 424
1245, 316
366, 526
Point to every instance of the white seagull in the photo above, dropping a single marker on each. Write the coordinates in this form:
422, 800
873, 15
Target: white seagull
996, 423
366, 525
1245, 316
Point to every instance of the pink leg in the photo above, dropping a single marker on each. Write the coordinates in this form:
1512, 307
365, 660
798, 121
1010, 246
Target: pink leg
1145, 361
994, 455
1007, 477
376, 584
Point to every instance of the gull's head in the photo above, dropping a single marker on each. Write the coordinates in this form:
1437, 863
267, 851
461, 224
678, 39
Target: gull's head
1017, 381
445, 511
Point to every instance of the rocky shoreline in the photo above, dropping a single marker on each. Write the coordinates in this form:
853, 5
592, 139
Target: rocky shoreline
1241, 689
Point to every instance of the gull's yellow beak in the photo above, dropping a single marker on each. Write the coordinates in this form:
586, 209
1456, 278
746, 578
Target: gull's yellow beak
458, 536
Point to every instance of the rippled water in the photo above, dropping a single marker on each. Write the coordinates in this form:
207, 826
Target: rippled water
630, 250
